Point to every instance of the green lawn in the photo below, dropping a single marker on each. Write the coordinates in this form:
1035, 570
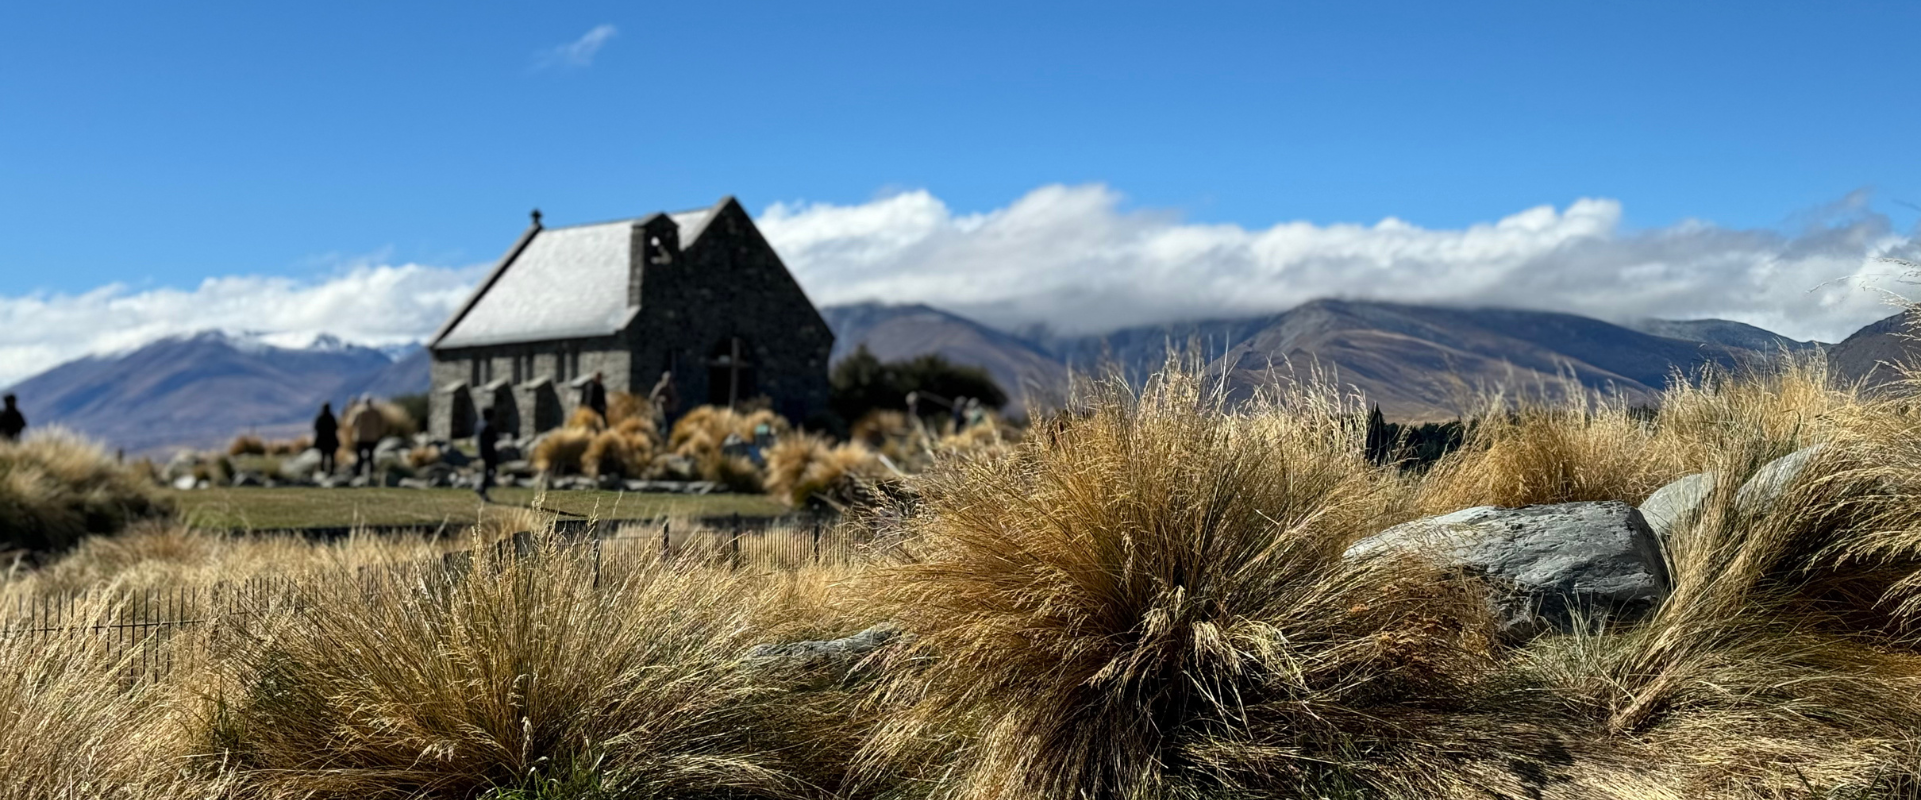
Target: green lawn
320, 508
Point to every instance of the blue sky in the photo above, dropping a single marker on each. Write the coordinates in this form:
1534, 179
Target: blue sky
157, 146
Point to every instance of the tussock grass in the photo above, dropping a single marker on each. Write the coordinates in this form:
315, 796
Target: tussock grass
57, 487
1143, 599
1159, 583
420, 683
804, 470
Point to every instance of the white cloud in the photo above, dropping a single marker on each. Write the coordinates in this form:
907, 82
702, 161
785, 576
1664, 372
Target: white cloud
579, 52
1072, 258
373, 305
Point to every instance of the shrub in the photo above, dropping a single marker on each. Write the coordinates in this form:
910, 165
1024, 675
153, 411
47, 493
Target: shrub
1160, 583
247, 445
804, 470
381, 688
561, 451
862, 383
56, 487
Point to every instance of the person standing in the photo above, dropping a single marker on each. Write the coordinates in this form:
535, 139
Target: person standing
326, 438
489, 456
12, 422
594, 396
367, 426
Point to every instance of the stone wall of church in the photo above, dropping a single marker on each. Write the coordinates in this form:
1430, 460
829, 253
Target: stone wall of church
729, 282
526, 406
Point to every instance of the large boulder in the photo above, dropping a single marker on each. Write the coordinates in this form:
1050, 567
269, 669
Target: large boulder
1548, 564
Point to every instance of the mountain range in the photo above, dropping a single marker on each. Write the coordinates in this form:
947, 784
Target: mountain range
203, 389
1417, 362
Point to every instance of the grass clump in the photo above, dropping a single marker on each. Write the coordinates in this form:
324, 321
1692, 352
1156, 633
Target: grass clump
520, 674
57, 487
1150, 601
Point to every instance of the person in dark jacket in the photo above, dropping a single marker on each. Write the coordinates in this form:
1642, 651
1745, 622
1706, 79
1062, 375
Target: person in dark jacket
594, 396
489, 456
11, 421
326, 437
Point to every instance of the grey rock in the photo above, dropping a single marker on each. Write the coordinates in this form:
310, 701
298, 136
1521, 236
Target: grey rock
515, 467
509, 452
302, 466
182, 463
184, 482
820, 663
391, 444
1773, 479
249, 479
1548, 564
416, 483
1674, 504
453, 457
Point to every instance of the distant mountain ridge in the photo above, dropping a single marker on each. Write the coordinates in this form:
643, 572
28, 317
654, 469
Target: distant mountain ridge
1417, 362
202, 389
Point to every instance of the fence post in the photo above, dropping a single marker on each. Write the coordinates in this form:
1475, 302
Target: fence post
817, 540
666, 544
734, 545
596, 563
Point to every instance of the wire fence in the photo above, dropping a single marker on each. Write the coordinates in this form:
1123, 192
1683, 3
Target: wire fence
137, 629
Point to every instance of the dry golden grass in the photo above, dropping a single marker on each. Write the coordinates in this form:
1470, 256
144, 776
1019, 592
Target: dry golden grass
247, 445
805, 470
478, 682
74, 727
57, 487
1160, 585
561, 451
1145, 599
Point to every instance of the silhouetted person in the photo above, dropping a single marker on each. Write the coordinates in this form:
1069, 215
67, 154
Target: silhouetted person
12, 422
484, 435
326, 437
594, 396
367, 426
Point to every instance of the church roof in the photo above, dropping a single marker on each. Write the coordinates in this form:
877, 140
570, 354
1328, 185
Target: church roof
560, 283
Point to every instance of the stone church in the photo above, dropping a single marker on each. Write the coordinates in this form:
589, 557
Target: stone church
697, 293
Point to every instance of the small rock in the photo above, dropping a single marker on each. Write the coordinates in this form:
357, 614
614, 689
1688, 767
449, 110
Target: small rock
184, 482
1773, 479
518, 468
416, 483
182, 463
826, 662
1672, 505
301, 466
1548, 563
509, 452
249, 479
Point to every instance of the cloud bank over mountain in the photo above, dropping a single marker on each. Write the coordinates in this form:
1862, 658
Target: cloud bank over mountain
1078, 259
1073, 258
375, 305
